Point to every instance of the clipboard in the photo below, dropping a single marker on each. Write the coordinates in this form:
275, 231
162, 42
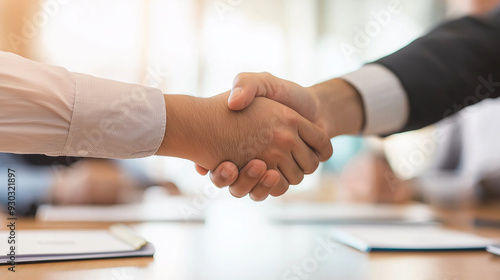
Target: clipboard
32, 246
409, 238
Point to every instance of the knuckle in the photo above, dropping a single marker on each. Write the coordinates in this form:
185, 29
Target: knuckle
329, 153
218, 181
257, 197
324, 139
289, 141
219, 184
241, 76
296, 178
280, 191
326, 146
266, 74
291, 117
312, 167
276, 156
236, 192
285, 139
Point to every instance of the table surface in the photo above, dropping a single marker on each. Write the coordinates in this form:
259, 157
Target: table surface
237, 242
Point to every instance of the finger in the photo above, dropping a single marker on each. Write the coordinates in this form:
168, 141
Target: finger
247, 86
224, 175
316, 138
291, 171
281, 188
269, 181
202, 171
307, 159
249, 176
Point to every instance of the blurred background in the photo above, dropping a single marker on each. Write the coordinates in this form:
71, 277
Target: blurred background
196, 47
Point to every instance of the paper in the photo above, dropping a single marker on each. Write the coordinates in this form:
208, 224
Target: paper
494, 249
49, 245
411, 238
352, 213
171, 210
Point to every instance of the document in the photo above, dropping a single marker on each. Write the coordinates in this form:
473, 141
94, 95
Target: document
61, 245
338, 213
409, 238
494, 249
165, 210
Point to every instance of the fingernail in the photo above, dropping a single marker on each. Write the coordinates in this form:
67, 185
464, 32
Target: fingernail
235, 93
268, 182
224, 173
253, 171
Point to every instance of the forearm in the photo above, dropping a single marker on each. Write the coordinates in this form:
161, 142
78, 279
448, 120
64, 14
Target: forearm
183, 133
341, 107
198, 129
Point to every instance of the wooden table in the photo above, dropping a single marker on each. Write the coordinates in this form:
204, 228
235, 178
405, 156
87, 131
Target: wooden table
236, 242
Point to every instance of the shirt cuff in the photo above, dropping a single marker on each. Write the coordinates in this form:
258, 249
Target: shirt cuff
384, 99
115, 120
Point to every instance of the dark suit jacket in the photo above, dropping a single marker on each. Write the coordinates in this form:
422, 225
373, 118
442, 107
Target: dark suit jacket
455, 65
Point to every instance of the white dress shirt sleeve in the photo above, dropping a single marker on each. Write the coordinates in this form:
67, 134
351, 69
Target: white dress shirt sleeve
384, 99
49, 110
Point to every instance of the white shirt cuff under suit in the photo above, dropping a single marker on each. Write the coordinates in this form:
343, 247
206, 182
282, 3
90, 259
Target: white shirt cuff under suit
384, 99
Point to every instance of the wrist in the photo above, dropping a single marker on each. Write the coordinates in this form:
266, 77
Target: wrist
192, 127
180, 138
340, 107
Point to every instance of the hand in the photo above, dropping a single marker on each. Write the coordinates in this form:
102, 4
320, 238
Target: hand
378, 184
323, 104
207, 132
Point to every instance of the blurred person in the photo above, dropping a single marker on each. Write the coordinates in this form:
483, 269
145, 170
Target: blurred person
64, 180
452, 160
465, 170
473, 7
458, 158
454, 66
369, 178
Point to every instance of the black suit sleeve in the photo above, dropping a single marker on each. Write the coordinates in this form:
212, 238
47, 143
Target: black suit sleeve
455, 65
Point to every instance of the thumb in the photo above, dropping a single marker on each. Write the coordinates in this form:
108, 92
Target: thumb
240, 99
246, 87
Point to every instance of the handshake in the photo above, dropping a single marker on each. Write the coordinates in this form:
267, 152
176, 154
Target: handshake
260, 146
